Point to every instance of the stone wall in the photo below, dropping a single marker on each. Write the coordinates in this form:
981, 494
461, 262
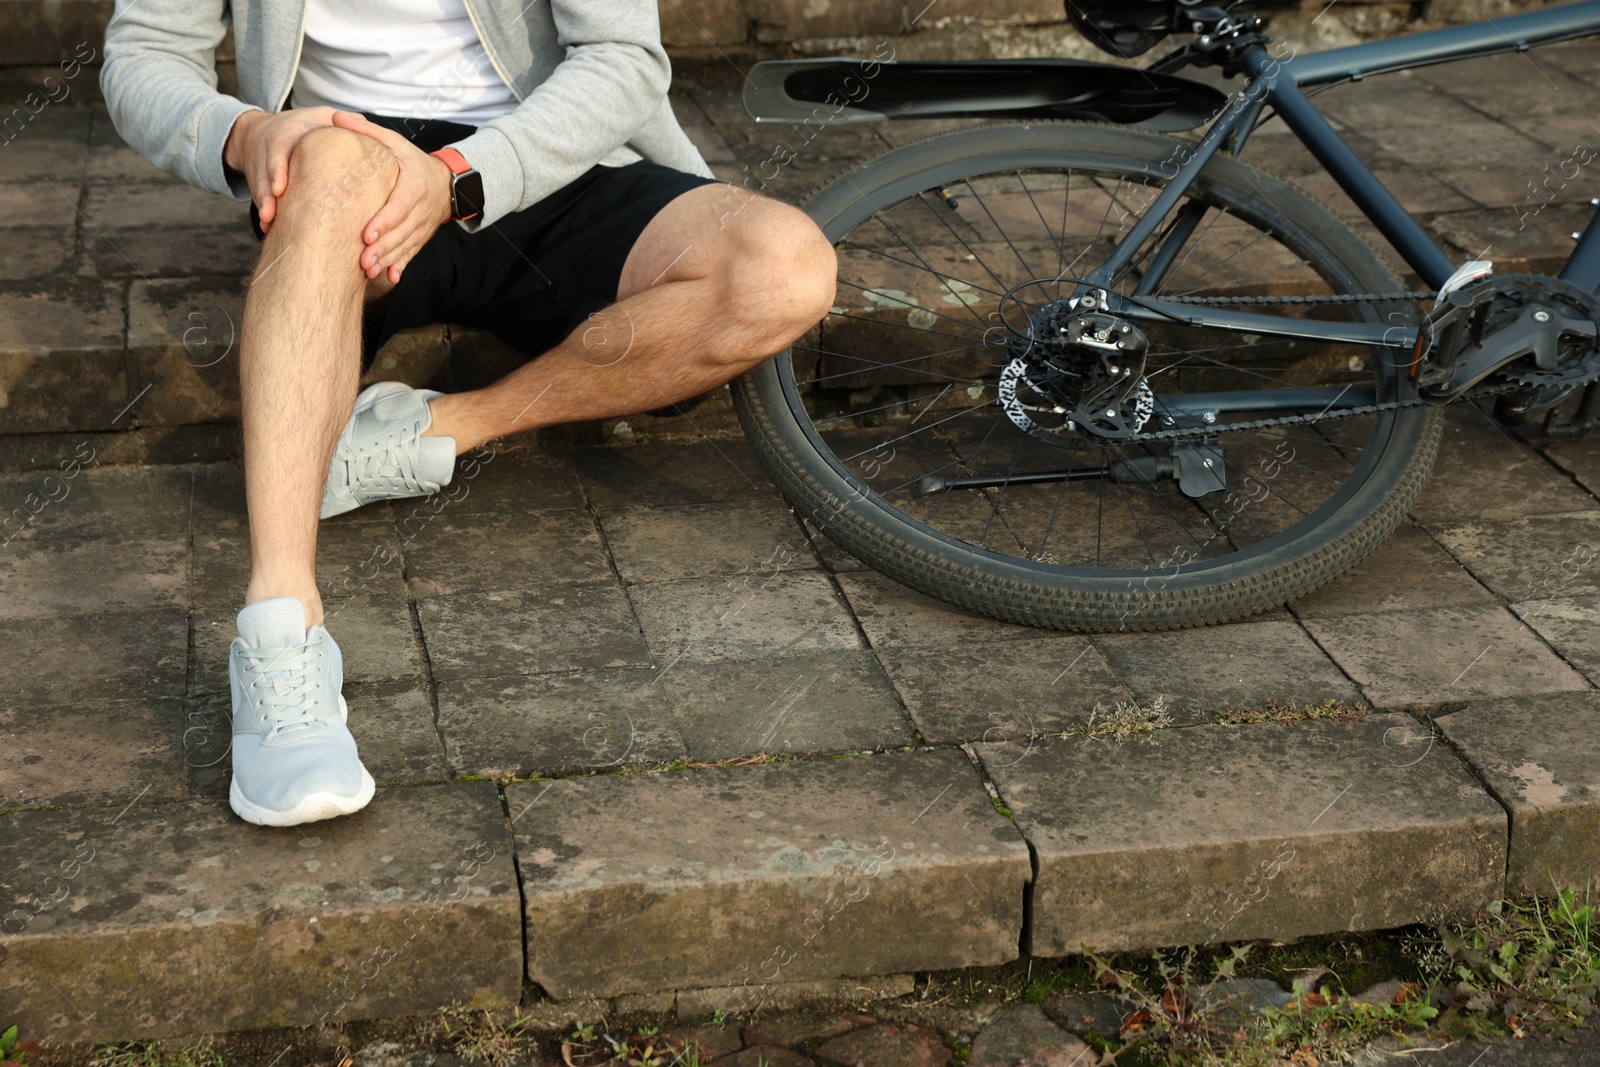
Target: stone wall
742, 31
35, 35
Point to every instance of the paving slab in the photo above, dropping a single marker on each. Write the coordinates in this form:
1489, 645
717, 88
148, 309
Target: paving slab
701, 472
1226, 667
1579, 457
34, 251
1530, 559
1233, 833
1421, 192
175, 252
54, 145
748, 616
116, 206
107, 576
1571, 626
596, 720
887, 1045
110, 157
91, 752
1416, 122
894, 616
756, 536
450, 552
405, 907
355, 559
554, 628
1025, 1035
1521, 192
815, 704
1438, 656
1483, 474
1541, 756
787, 996
37, 204
1408, 571
183, 342
76, 500
61, 354
766, 1056
512, 479
743, 875
83, 655
1003, 689
1514, 241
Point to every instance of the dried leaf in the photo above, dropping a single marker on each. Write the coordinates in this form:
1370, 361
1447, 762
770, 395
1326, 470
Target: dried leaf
1135, 1021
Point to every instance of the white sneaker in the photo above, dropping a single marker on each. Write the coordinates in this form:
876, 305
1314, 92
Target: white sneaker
294, 760
382, 455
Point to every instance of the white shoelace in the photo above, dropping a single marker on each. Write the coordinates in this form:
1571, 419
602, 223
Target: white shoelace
389, 462
289, 693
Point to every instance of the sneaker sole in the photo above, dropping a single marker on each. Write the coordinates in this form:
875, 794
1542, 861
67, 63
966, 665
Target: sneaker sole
313, 807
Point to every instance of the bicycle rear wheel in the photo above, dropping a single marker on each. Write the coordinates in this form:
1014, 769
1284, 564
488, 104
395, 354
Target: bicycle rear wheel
885, 426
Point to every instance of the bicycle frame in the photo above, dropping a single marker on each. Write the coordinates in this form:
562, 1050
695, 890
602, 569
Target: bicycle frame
1278, 83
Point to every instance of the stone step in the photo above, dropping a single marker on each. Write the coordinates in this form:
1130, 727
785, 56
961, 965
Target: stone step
1232, 834
157, 920
725, 887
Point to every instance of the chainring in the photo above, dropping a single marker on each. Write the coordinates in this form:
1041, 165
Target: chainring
1578, 364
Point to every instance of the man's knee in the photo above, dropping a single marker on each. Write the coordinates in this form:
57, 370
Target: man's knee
782, 274
338, 179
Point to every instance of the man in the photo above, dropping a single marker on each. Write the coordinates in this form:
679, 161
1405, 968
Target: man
496, 162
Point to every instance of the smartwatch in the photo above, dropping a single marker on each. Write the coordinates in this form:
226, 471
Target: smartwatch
466, 185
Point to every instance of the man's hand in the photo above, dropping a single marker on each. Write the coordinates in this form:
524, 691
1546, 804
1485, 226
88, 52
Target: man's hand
259, 146
418, 205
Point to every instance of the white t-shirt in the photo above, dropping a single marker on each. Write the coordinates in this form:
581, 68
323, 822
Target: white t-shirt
407, 58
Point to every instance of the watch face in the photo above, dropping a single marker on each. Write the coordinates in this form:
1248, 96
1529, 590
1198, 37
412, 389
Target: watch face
468, 194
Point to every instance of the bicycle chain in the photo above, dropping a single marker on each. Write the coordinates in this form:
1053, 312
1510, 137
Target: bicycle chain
1212, 429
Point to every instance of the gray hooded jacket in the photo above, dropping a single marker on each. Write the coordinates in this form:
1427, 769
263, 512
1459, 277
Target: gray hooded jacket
590, 76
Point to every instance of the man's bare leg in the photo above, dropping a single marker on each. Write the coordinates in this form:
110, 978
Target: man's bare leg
720, 280
300, 352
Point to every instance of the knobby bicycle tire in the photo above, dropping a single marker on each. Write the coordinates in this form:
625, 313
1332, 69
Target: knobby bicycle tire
1384, 482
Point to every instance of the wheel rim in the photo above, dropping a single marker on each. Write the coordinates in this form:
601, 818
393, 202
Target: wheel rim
917, 319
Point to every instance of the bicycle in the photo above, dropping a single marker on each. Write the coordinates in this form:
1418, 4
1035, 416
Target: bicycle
1091, 376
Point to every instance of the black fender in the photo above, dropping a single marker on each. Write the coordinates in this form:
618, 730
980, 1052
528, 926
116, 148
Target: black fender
838, 89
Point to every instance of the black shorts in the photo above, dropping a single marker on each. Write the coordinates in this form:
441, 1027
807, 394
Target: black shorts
536, 274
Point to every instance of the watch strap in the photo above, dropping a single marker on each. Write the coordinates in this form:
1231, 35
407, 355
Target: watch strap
454, 160
458, 166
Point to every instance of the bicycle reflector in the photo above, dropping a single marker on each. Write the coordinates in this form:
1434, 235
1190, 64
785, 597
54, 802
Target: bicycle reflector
1124, 28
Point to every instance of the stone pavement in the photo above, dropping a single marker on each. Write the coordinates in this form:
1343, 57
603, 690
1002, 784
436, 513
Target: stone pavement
644, 738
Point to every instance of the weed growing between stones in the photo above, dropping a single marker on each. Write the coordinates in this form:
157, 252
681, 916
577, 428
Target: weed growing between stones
1520, 968
644, 1047
1127, 720
483, 1038
199, 1054
14, 1052
1290, 713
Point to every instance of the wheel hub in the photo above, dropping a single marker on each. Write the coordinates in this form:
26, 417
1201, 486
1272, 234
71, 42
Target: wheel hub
1078, 371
